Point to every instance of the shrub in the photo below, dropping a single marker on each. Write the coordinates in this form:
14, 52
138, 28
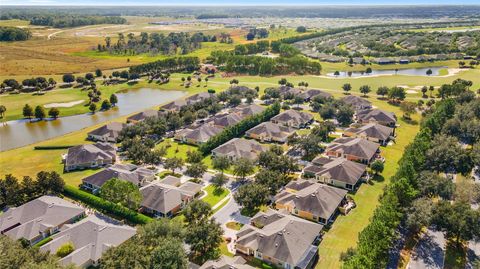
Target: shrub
65, 249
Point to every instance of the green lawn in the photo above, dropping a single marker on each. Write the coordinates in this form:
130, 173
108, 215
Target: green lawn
234, 225
214, 195
345, 230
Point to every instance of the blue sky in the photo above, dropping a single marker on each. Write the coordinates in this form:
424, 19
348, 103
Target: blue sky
236, 2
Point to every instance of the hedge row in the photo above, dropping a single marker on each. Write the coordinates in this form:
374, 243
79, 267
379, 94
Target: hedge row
376, 240
239, 129
53, 147
105, 206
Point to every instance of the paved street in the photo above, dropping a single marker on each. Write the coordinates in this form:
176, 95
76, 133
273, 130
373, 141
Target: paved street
429, 252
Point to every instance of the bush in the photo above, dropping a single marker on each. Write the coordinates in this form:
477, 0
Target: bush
106, 206
65, 249
53, 147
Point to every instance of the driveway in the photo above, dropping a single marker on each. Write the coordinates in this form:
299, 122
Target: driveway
429, 253
473, 254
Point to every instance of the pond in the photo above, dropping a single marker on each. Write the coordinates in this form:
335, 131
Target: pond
23, 132
410, 72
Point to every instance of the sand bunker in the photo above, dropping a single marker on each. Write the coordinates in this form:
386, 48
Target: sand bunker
411, 91
69, 104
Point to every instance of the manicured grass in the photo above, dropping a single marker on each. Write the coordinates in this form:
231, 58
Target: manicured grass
455, 256
234, 225
345, 230
214, 195
224, 249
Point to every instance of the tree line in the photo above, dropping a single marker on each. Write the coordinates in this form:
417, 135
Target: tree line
155, 43
173, 64
64, 21
8, 33
421, 176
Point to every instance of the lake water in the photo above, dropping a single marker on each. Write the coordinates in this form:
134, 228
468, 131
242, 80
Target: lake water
411, 72
23, 132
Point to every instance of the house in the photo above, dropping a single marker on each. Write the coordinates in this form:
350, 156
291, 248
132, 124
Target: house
289, 92
143, 115
127, 172
225, 120
107, 133
357, 103
91, 237
174, 106
270, 132
280, 239
404, 61
376, 115
353, 149
167, 197
293, 118
198, 135
39, 218
338, 172
199, 97
248, 110
239, 148
308, 95
311, 200
89, 156
384, 60
372, 131
225, 262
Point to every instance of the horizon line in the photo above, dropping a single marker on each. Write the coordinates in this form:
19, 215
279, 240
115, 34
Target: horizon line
299, 5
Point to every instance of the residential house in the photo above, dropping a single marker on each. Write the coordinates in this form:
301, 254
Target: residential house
239, 148
143, 115
356, 102
384, 60
89, 156
280, 239
128, 172
107, 133
199, 97
289, 92
270, 132
225, 262
198, 135
372, 131
91, 237
308, 95
167, 197
293, 118
311, 200
248, 110
174, 106
39, 218
338, 172
376, 115
225, 120
353, 149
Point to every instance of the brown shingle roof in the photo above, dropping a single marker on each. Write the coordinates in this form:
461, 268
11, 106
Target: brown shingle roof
356, 102
88, 153
240, 148
111, 130
341, 169
373, 130
376, 115
293, 117
358, 147
272, 130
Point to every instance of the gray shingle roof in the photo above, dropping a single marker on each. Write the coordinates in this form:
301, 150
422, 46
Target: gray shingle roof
135, 176
373, 130
164, 197
225, 262
319, 199
376, 115
90, 237
37, 216
281, 236
248, 110
227, 120
311, 93
202, 133
354, 146
111, 130
89, 152
356, 102
240, 148
294, 117
144, 114
273, 130
341, 169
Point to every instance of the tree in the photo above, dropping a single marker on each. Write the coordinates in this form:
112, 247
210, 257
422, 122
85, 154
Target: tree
310, 145
221, 163
243, 167
49, 183
365, 89
10, 191
447, 155
123, 192
345, 115
197, 211
68, 78
98, 72
419, 214
169, 254
408, 108
92, 108
3, 109
40, 112
424, 91
194, 156
301, 29
54, 112
323, 130
196, 170
377, 166
218, 180
27, 111
346, 87
271, 179
89, 76
431, 184
113, 99
204, 239
458, 220
106, 105
65, 249
382, 91
429, 72
397, 94
251, 195
327, 111
173, 163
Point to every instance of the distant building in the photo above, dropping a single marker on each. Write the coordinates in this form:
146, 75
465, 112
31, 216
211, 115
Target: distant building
39, 218
311, 200
127, 172
280, 239
90, 156
107, 133
91, 237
